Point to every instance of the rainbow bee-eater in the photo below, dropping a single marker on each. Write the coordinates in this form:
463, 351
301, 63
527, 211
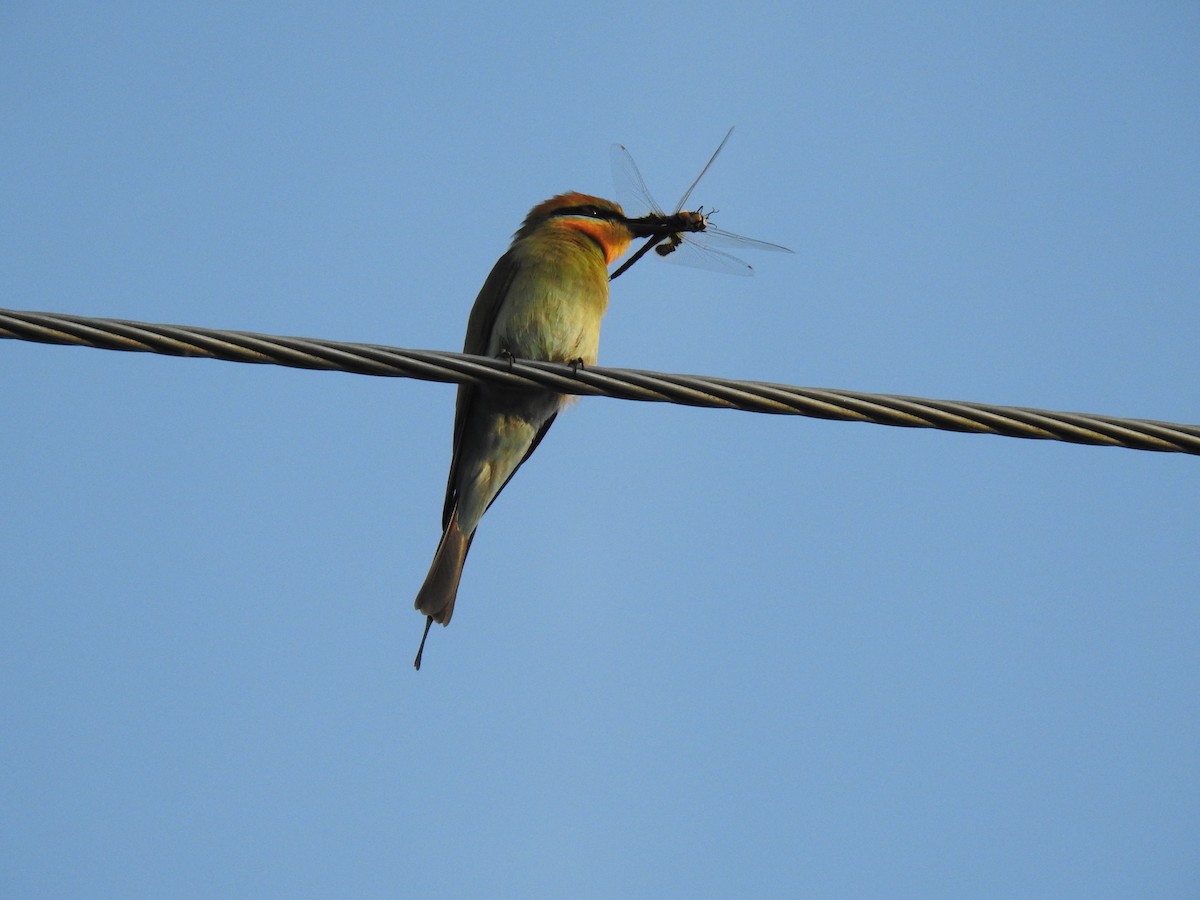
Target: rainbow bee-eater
543, 300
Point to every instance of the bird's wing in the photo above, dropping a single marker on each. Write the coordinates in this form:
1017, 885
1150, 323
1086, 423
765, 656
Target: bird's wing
479, 332
537, 439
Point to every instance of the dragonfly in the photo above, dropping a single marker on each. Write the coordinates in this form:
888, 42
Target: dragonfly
685, 236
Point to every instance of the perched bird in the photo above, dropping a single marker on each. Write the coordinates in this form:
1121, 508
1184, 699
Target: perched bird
543, 300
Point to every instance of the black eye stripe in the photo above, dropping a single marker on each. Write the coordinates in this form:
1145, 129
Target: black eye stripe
588, 209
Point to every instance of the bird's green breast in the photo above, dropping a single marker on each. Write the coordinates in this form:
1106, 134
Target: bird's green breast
554, 305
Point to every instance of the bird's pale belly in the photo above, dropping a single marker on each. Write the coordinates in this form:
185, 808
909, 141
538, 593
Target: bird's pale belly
556, 324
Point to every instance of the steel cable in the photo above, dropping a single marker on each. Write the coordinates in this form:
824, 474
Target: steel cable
625, 384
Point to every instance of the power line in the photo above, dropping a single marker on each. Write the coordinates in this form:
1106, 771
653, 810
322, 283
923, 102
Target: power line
626, 384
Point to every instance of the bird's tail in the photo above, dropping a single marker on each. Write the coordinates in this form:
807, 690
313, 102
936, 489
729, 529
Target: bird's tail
436, 597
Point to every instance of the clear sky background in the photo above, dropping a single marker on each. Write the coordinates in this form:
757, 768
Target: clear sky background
696, 653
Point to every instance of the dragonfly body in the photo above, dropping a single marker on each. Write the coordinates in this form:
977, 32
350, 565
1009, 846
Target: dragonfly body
677, 227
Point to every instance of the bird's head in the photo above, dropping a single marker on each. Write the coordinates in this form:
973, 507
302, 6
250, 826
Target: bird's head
601, 220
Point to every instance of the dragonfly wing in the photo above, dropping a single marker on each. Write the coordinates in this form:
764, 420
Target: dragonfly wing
632, 193
721, 238
695, 254
707, 166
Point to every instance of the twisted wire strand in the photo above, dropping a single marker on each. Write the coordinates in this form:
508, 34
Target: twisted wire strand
625, 384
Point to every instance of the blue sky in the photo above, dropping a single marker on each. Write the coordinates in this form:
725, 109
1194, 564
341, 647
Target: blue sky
696, 653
